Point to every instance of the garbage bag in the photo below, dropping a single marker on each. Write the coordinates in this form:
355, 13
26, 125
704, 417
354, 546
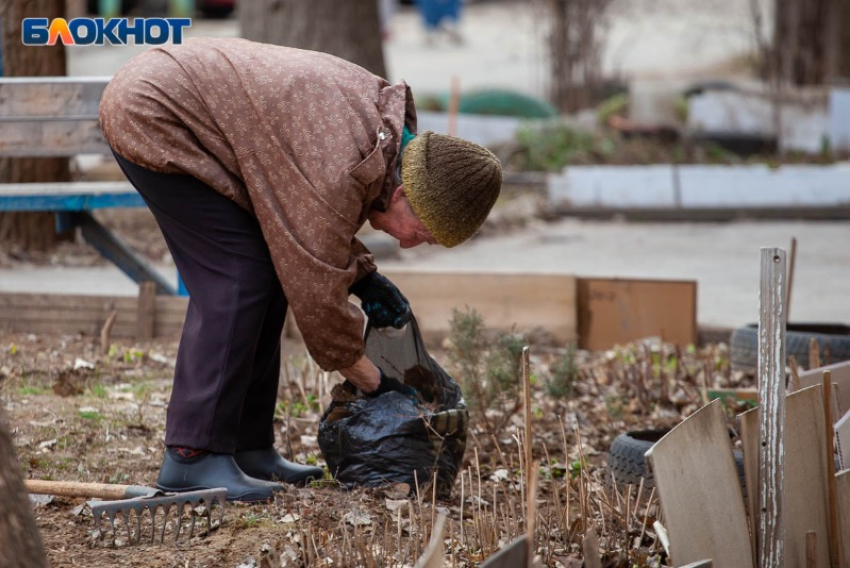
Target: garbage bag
391, 438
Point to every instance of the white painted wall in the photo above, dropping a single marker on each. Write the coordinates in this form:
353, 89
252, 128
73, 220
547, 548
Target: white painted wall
701, 186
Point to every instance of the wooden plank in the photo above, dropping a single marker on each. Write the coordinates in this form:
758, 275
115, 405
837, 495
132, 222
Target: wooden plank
50, 96
67, 189
146, 311
842, 435
528, 301
617, 311
693, 465
829, 439
771, 383
842, 490
840, 374
433, 555
806, 500
60, 313
51, 137
748, 424
69, 203
25, 299
514, 555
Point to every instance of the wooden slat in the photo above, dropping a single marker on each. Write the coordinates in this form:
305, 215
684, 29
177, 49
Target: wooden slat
748, 424
526, 300
50, 96
842, 490
840, 374
32, 137
771, 383
693, 468
60, 313
806, 496
23, 299
842, 435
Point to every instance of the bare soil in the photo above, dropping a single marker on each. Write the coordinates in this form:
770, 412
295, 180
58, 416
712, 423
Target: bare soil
79, 414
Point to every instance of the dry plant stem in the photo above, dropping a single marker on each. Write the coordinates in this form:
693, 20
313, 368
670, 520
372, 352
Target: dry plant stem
106, 332
795, 373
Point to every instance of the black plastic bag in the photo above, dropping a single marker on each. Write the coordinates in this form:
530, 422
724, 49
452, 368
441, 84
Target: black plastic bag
392, 438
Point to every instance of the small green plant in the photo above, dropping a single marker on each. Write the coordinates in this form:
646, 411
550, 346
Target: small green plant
92, 415
13, 349
32, 390
98, 391
488, 372
563, 374
576, 468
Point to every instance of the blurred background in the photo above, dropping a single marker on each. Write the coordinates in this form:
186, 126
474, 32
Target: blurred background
642, 139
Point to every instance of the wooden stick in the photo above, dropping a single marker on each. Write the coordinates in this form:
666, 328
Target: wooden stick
454, 105
771, 383
814, 353
526, 384
531, 508
146, 311
811, 549
833, 538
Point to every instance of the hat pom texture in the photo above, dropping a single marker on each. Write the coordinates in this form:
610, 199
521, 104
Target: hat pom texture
451, 184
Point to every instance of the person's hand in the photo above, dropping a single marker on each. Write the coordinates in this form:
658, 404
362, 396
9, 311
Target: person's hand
382, 302
389, 384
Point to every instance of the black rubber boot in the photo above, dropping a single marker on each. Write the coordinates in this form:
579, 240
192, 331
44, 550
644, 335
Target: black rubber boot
210, 470
270, 465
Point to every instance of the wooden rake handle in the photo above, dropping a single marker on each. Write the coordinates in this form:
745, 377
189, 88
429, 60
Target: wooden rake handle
99, 490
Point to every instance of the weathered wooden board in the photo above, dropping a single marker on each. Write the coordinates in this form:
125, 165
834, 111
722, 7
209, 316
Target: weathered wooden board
50, 96
59, 313
51, 137
617, 311
840, 375
527, 301
514, 555
806, 468
842, 436
842, 491
748, 425
700, 491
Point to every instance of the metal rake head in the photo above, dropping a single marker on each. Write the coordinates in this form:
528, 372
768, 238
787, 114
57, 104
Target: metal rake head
177, 512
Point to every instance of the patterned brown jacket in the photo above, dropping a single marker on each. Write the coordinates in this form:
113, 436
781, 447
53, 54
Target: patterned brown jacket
306, 141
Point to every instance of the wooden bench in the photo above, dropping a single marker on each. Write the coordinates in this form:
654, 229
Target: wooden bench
58, 117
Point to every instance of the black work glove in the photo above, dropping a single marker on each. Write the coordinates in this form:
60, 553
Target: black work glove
382, 302
388, 384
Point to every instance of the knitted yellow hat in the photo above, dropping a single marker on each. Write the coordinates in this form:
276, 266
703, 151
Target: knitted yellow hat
451, 184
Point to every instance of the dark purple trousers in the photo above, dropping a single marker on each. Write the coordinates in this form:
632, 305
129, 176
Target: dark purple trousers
228, 362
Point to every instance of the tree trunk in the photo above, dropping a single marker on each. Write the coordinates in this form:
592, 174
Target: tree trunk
575, 52
841, 45
20, 541
803, 34
350, 30
30, 231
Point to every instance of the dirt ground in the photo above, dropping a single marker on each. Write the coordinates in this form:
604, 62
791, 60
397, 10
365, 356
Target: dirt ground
80, 414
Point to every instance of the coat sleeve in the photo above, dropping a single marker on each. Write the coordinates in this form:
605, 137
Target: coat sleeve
310, 240
363, 257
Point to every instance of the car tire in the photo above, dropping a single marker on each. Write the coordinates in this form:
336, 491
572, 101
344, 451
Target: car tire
744, 344
627, 462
